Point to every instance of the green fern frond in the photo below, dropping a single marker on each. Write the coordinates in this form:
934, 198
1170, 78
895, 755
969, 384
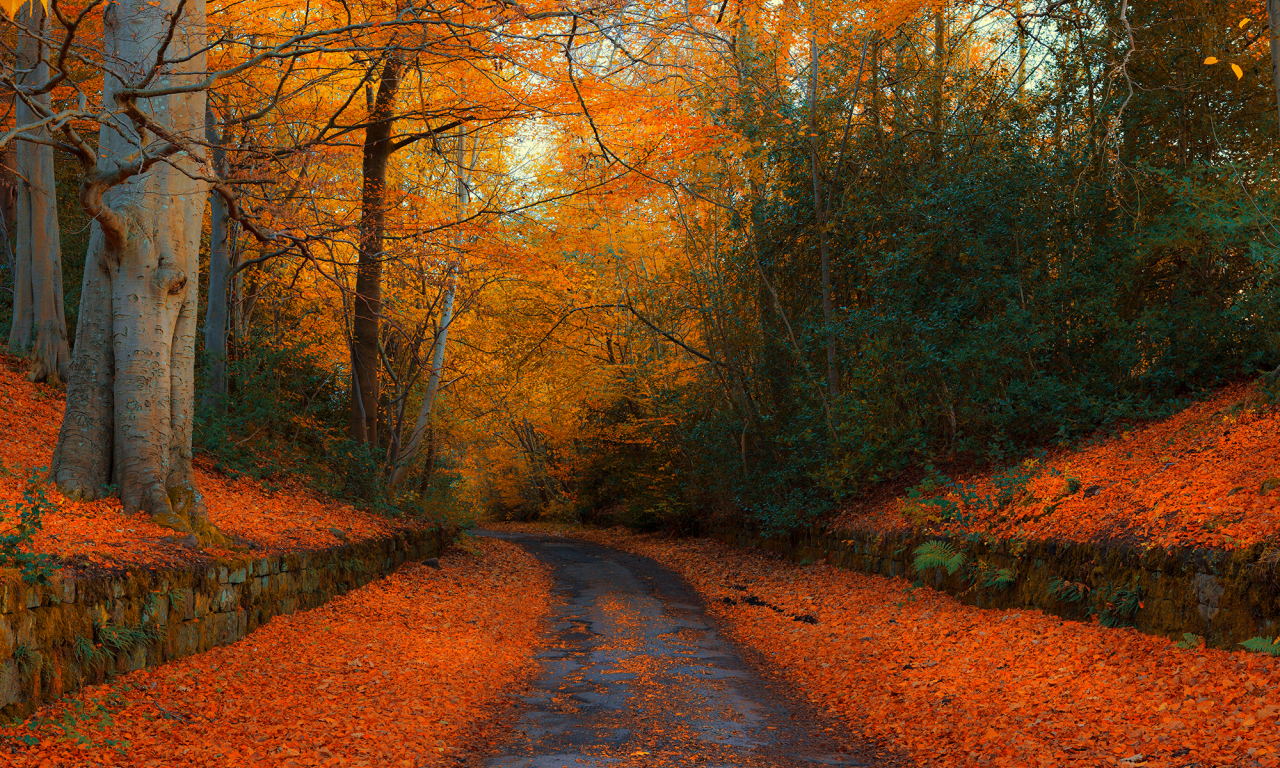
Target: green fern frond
1189, 642
938, 554
1262, 645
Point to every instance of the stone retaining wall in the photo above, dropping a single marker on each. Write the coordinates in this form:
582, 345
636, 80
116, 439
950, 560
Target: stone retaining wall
80, 630
1224, 596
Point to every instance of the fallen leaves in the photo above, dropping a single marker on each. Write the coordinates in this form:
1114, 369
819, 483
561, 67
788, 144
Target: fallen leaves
359, 681
1201, 478
951, 684
288, 519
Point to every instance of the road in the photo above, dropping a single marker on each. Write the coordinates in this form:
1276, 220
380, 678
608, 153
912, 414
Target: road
636, 675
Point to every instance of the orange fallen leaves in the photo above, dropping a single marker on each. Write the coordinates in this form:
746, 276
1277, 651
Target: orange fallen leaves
1195, 479
400, 672
951, 684
98, 533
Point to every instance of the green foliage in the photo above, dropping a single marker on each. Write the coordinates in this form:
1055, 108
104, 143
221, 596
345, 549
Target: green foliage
18, 529
937, 554
928, 501
1067, 591
79, 722
86, 652
281, 410
1120, 605
1189, 642
986, 576
285, 414
25, 659
124, 639
1262, 645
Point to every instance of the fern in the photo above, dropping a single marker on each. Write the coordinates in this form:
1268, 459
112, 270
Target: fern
87, 653
998, 579
938, 554
1067, 591
1262, 645
1119, 606
24, 657
1189, 642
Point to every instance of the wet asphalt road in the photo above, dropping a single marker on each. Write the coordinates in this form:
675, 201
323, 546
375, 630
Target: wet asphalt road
635, 675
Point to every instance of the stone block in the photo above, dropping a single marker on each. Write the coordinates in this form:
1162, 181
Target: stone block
228, 597
201, 605
226, 628
117, 589
223, 574
183, 603
157, 613
32, 597
287, 606
68, 590
11, 597
238, 575
10, 683
1208, 592
187, 640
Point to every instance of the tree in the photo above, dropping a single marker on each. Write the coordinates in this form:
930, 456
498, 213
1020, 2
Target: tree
131, 393
216, 315
402, 462
39, 323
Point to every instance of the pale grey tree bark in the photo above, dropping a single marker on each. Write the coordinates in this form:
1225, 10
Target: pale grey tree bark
423, 424
131, 391
215, 317
39, 329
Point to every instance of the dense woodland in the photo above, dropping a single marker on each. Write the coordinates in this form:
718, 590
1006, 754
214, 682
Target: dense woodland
656, 263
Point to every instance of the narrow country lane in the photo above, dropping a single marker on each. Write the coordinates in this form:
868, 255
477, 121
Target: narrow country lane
635, 675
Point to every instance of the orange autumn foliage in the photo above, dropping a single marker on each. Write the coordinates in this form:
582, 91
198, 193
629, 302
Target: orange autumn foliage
941, 683
1196, 479
98, 533
403, 671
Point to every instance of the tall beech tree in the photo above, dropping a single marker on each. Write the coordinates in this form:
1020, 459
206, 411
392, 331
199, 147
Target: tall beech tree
131, 393
216, 315
39, 328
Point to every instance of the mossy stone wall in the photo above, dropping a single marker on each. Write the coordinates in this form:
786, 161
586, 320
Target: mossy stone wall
1225, 596
48, 634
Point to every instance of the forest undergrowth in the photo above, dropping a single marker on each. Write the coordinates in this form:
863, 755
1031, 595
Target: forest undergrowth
944, 683
406, 671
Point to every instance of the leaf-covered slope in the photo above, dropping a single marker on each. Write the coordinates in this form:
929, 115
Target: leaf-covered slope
1205, 477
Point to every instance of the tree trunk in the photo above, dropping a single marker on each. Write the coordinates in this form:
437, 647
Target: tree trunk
215, 317
940, 73
423, 423
1273, 32
429, 468
130, 397
819, 213
39, 328
373, 218
1022, 55
877, 129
